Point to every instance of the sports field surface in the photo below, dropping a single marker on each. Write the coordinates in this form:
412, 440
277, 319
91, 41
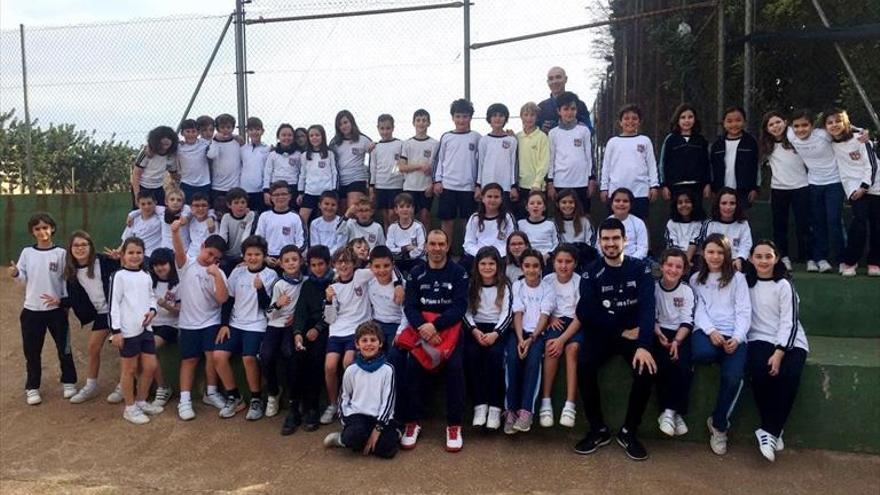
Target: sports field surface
58, 447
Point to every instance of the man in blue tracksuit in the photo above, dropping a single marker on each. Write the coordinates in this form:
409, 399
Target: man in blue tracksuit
616, 311
439, 286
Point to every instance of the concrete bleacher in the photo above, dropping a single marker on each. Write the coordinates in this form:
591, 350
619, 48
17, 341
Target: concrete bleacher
838, 405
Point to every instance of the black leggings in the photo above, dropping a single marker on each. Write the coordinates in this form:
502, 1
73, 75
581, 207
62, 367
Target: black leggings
774, 395
33, 333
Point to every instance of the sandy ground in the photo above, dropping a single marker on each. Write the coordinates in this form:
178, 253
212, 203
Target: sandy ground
59, 447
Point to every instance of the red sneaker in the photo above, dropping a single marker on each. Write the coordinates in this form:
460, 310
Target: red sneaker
454, 441
410, 436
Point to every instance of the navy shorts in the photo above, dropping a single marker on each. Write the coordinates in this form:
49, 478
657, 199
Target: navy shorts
241, 342
455, 204
577, 338
340, 345
583, 195
166, 332
140, 344
357, 186
255, 202
310, 201
389, 331
194, 343
421, 201
385, 198
101, 323
189, 190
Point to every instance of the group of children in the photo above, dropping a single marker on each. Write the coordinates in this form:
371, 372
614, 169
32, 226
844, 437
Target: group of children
225, 266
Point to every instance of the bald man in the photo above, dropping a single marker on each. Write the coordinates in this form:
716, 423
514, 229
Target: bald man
547, 117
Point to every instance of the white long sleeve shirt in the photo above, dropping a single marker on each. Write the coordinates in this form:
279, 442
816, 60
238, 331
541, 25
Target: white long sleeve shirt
571, 157
418, 152
235, 230
198, 231
533, 302
253, 164
682, 235
326, 233
569, 235
225, 159
489, 234
857, 165
675, 307
497, 161
543, 235
166, 239
373, 233
739, 234
457, 160
148, 230
488, 311
41, 270
291, 287
384, 172
131, 298
413, 236
246, 312
382, 302
725, 309
282, 166
193, 162
280, 229
351, 304
318, 174
350, 156
787, 169
817, 153
775, 315
629, 162
369, 393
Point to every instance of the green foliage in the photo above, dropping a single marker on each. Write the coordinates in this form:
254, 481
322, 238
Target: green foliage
60, 155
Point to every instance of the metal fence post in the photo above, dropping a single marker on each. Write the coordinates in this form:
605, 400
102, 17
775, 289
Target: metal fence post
240, 69
27, 118
467, 50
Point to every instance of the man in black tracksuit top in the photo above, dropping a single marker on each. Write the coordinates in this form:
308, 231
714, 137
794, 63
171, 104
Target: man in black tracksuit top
438, 286
616, 311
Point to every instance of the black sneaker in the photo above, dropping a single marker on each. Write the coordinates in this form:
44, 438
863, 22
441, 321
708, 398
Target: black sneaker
593, 441
291, 423
311, 421
631, 445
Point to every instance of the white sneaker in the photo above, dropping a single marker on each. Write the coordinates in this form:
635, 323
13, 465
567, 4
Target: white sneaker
329, 414
681, 428
271, 406
568, 415
33, 397
848, 270
787, 262
454, 442
493, 420
150, 409
334, 440
780, 445
68, 390
545, 416
825, 266
115, 397
766, 444
163, 395
874, 270
135, 415
185, 411
85, 394
215, 400
812, 266
667, 422
410, 436
481, 413
255, 410
718, 441
233, 406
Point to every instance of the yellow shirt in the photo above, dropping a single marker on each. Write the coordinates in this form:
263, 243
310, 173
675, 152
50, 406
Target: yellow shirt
534, 156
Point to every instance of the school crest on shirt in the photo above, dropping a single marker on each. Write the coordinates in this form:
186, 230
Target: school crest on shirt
242, 225
359, 291
357, 151
505, 144
472, 146
641, 148
371, 238
578, 143
855, 155
322, 164
426, 153
414, 241
53, 266
678, 302
293, 161
285, 230
501, 235
735, 243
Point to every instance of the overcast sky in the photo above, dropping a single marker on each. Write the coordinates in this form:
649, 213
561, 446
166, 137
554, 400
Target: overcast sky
125, 77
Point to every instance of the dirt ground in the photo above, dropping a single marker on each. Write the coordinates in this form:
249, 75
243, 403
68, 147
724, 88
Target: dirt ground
58, 447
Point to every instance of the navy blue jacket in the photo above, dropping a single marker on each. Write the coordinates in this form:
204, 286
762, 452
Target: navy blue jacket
77, 298
745, 167
684, 160
441, 291
614, 299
